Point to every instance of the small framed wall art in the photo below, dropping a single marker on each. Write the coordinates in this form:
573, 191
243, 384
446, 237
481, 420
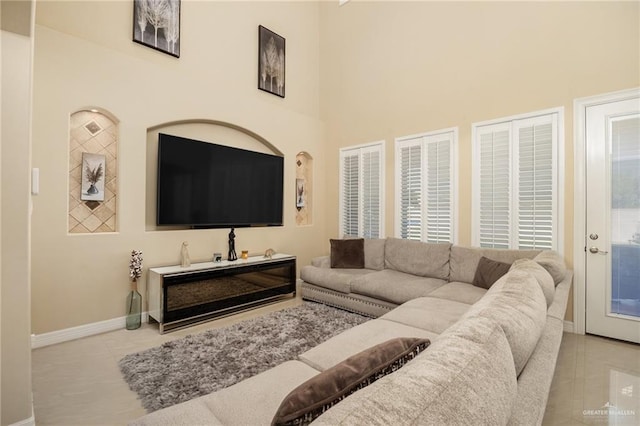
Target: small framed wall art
300, 193
156, 24
271, 62
93, 170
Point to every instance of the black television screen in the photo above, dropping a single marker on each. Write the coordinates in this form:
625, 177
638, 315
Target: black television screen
202, 184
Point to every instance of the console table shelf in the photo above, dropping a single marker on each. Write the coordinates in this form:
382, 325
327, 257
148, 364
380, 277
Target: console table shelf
179, 297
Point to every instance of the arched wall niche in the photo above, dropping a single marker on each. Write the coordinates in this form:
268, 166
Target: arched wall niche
93, 171
214, 131
304, 189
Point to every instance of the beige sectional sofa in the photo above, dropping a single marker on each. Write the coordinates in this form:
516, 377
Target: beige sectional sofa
491, 360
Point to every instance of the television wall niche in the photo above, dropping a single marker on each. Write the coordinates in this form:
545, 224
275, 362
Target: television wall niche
206, 185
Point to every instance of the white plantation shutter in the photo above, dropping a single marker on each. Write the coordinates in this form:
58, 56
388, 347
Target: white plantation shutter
438, 191
425, 187
495, 208
361, 191
350, 189
371, 195
536, 181
410, 194
516, 186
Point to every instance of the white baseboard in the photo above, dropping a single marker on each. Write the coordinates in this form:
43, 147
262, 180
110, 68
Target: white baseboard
60, 336
31, 421
568, 327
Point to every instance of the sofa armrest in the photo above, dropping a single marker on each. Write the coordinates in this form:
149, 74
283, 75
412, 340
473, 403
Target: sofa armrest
321, 262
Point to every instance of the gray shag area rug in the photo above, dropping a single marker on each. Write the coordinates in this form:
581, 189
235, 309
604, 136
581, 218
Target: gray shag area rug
199, 364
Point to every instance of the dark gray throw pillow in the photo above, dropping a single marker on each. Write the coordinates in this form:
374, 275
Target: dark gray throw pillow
489, 271
348, 253
315, 396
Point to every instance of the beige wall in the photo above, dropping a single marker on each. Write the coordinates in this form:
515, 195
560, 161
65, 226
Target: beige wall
392, 69
85, 57
359, 73
15, 319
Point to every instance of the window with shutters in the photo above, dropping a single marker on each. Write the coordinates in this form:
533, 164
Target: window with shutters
362, 190
517, 182
426, 192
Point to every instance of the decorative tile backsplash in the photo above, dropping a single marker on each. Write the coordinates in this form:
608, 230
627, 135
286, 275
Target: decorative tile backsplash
304, 182
95, 133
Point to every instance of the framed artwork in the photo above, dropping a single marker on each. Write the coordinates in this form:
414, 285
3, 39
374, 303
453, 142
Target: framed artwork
156, 24
93, 171
299, 193
271, 62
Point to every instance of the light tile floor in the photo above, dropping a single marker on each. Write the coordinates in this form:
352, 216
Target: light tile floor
79, 383
596, 382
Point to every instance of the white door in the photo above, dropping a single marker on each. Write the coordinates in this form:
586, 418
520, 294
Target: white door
612, 240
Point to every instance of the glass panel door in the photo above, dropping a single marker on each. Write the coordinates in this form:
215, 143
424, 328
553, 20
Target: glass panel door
625, 215
612, 249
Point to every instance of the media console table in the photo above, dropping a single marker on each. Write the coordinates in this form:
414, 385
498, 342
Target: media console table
179, 297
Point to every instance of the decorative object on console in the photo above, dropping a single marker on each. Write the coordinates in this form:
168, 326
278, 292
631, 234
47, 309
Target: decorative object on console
232, 246
149, 17
185, 260
268, 254
244, 254
217, 257
134, 299
271, 60
347, 253
93, 168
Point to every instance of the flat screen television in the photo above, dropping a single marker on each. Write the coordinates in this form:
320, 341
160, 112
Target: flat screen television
205, 185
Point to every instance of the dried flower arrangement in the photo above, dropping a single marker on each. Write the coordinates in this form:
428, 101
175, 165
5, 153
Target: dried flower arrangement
135, 265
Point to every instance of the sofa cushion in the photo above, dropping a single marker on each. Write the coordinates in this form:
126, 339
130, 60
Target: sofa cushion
229, 405
488, 272
255, 400
417, 258
535, 380
428, 313
358, 303
540, 274
335, 279
559, 306
394, 286
465, 377
553, 263
516, 303
459, 292
313, 397
348, 253
464, 260
193, 412
321, 261
374, 253
357, 339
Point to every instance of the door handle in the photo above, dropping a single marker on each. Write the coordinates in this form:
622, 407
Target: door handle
595, 250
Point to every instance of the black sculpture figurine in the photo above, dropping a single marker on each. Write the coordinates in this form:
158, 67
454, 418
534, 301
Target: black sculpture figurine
232, 246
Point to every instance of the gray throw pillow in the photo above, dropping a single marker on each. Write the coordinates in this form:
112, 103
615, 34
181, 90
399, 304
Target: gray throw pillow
488, 272
348, 253
315, 396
